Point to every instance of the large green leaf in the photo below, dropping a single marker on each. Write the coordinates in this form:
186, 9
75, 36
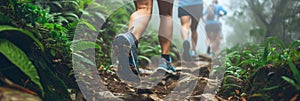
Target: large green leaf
20, 59
10, 28
289, 80
270, 88
294, 44
295, 73
57, 4
231, 85
266, 54
250, 61
89, 25
77, 56
277, 41
145, 58
83, 45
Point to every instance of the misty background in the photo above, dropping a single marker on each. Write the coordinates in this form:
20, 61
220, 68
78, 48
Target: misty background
247, 21
177, 40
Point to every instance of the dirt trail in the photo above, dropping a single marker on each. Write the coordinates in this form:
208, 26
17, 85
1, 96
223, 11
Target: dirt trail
187, 84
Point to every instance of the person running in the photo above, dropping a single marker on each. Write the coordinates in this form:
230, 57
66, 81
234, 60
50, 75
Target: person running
189, 12
138, 23
213, 26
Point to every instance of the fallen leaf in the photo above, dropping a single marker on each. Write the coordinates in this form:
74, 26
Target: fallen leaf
100, 68
294, 98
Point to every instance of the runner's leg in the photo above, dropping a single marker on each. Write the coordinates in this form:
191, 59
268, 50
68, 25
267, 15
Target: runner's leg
165, 34
141, 17
194, 32
166, 25
208, 40
127, 43
185, 26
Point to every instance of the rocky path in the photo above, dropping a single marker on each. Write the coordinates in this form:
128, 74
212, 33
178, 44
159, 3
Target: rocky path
190, 83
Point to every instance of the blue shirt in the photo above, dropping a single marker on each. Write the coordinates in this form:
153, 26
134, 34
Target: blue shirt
217, 12
183, 3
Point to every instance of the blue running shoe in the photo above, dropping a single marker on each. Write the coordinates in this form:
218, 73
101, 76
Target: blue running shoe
211, 54
171, 67
166, 66
193, 53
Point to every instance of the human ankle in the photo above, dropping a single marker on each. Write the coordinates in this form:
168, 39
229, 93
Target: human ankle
166, 56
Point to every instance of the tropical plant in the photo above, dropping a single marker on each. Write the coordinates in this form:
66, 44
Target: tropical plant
19, 58
29, 25
257, 63
296, 76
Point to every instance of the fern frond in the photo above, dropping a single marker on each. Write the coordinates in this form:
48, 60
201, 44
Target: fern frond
20, 59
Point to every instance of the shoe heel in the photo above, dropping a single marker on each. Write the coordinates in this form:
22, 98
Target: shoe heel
121, 48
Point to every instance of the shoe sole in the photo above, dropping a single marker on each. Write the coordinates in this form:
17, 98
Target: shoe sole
133, 58
121, 48
166, 70
173, 73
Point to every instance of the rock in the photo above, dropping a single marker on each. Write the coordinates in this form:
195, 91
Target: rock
191, 80
107, 96
131, 90
208, 97
145, 71
155, 97
163, 82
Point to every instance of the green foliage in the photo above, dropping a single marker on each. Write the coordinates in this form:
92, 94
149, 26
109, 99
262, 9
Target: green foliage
89, 25
254, 63
27, 13
61, 12
82, 58
251, 57
29, 34
20, 59
42, 26
83, 45
148, 47
296, 75
52, 24
4, 19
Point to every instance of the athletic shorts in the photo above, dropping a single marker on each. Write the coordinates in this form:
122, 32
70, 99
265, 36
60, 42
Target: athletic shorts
195, 11
213, 30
